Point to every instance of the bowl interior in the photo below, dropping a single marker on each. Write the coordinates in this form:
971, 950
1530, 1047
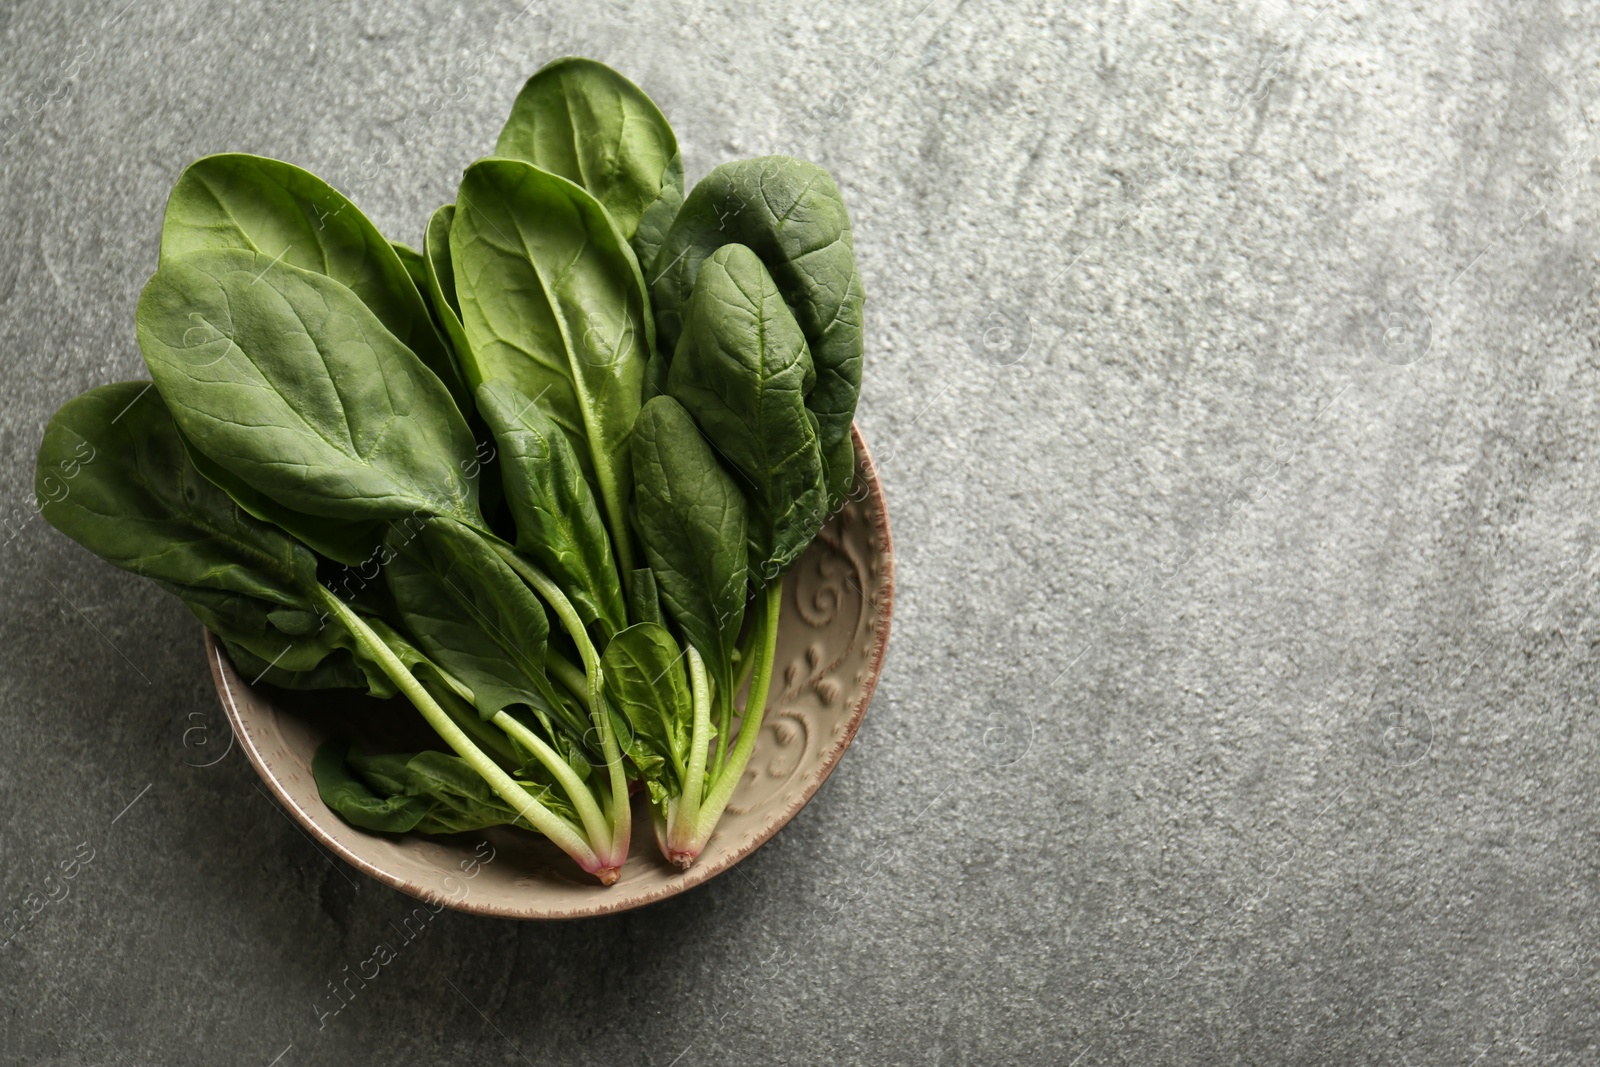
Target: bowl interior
834, 627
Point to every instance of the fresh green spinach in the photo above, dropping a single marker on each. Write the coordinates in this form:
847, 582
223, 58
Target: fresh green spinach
552, 302
311, 471
584, 121
743, 370
558, 522
790, 213
289, 382
292, 216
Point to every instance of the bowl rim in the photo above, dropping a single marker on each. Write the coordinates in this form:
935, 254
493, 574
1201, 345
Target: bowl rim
694, 876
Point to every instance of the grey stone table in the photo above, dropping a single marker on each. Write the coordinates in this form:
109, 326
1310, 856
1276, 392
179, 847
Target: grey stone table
1234, 376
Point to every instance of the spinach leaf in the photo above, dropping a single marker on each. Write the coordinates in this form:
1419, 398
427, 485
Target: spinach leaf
646, 681
441, 279
291, 640
428, 792
558, 522
693, 524
644, 599
354, 800
840, 461
339, 670
263, 205
113, 475
552, 302
459, 799
286, 380
791, 215
341, 540
742, 370
471, 615
584, 121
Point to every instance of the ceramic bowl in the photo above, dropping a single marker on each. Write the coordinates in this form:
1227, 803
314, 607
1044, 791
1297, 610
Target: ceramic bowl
831, 639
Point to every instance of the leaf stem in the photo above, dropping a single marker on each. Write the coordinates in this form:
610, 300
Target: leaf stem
747, 659
594, 822
621, 810
537, 815
735, 681
683, 816
750, 724
471, 723
568, 674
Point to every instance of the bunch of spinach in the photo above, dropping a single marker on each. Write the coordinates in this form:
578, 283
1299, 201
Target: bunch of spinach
587, 394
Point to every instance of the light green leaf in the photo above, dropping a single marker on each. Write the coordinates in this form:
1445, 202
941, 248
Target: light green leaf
645, 679
441, 280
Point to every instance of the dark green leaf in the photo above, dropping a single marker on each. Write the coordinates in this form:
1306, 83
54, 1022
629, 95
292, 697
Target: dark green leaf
459, 799
338, 671
841, 463
584, 121
471, 614
286, 380
552, 302
655, 376
429, 792
263, 205
790, 214
558, 522
657, 218
742, 370
113, 475
355, 802
288, 647
693, 525
291, 639
558, 733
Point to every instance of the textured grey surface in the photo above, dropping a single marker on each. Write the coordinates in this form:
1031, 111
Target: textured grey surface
1233, 372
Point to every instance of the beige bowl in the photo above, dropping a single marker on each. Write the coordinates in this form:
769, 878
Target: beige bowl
831, 639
